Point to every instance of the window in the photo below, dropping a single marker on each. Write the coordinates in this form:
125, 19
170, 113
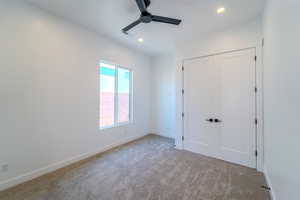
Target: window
115, 95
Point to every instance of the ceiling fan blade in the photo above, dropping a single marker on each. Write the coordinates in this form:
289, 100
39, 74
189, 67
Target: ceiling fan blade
166, 20
142, 6
147, 3
130, 26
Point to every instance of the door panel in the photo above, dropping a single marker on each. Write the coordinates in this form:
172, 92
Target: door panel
237, 106
200, 89
221, 87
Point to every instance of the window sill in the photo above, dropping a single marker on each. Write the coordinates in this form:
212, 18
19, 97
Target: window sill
115, 126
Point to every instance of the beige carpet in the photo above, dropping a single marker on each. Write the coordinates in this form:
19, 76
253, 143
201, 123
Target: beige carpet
146, 169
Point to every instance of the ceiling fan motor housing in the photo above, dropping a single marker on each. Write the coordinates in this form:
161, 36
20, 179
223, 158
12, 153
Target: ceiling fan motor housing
146, 17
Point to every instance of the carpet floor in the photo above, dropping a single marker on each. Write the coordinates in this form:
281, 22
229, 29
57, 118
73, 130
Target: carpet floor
146, 169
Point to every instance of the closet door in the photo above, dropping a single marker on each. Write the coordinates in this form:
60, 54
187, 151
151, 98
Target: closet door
236, 107
221, 88
200, 89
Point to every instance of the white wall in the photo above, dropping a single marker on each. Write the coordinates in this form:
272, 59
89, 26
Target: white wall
164, 96
282, 97
238, 37
50, 92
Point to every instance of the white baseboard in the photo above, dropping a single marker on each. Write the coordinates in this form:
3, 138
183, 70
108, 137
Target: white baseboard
50, 168
267, 177
163, 135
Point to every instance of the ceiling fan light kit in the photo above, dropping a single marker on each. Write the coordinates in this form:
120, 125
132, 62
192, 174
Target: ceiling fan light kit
147, 17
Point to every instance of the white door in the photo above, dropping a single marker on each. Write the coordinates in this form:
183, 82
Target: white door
200, 85
219, 107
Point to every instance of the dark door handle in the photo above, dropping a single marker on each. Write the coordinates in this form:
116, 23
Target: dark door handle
217, 121
210, 120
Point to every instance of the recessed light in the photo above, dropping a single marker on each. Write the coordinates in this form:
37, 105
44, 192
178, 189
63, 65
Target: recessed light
141, 40
221, 10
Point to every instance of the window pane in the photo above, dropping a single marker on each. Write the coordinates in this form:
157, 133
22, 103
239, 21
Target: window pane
107, 94
124, 77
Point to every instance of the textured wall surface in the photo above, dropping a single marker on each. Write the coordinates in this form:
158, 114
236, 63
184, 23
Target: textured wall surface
50, 91
282, 97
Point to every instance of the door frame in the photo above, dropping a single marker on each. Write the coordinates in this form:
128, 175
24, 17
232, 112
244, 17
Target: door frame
259, 134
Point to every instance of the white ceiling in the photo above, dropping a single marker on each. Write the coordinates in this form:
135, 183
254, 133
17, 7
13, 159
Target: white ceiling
108, 17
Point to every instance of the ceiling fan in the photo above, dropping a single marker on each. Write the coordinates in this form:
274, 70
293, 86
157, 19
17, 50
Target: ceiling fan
147, 17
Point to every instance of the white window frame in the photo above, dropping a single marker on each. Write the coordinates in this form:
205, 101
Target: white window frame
116, 116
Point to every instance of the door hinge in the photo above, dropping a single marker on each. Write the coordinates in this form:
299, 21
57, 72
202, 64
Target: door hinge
182, 114
256, 121
255, 58
263, 42
255, 89
256, 153
182, 68
182, 91
182, 138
